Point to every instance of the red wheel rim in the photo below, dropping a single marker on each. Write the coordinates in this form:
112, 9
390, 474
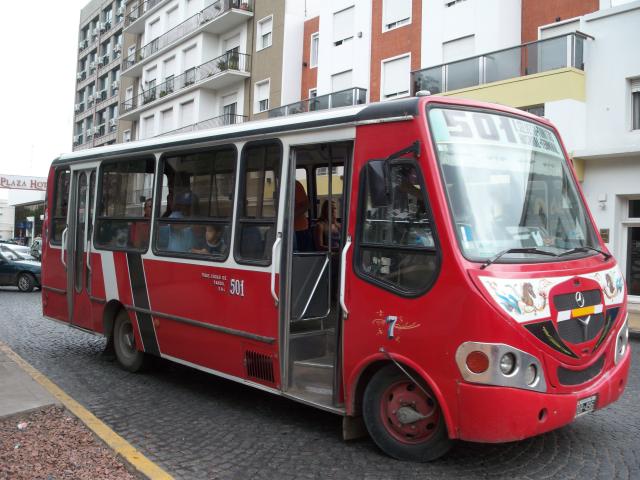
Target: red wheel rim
406, 394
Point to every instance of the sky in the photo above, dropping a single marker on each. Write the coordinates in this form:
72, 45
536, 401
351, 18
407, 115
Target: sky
38, 48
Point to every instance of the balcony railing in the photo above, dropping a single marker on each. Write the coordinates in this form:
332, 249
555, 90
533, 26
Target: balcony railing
183, 29
230, 61
526, 59
227, 119
138, 10
343, 98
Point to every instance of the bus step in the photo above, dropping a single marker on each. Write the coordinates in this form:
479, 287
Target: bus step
313, 379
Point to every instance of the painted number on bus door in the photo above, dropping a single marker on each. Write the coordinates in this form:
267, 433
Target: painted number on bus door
237, 287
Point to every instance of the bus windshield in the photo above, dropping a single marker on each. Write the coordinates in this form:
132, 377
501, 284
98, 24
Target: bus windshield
508, 187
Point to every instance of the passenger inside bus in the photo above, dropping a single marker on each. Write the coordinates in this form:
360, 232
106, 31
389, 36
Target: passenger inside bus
327, 234
214, 241
140, 230
302, 239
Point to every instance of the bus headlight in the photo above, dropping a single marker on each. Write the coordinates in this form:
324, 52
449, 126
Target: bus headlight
531, 375
508, 363
501, 365
622, 341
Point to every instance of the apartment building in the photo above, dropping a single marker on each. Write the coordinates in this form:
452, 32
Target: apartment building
196, 64
100, 42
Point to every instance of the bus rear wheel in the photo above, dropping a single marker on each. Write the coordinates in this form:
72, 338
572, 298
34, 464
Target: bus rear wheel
124, 344
404, 419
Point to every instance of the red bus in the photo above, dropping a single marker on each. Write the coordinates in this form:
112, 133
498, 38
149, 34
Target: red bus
426, 265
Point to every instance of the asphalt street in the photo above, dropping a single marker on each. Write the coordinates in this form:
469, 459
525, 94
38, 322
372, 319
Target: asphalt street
197, 426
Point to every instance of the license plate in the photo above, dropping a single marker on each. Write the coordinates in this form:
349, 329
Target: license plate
586, 405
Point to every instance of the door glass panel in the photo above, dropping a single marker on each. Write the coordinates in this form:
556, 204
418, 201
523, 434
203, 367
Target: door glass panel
80, 229
92, 192
633, 261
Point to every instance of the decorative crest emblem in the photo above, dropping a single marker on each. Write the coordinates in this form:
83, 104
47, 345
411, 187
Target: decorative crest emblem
580, 299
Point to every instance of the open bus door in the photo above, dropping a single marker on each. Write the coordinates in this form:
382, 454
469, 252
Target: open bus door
78, 246
311, 309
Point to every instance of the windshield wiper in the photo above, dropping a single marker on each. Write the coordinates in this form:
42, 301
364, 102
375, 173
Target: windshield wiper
586, 248
516, 250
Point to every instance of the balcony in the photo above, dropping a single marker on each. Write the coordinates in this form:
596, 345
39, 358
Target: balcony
133, 20
217, 18
214, 74
555, 66
343, 98
222, 120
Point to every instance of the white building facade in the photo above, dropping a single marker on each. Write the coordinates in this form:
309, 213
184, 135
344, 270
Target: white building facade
186, 63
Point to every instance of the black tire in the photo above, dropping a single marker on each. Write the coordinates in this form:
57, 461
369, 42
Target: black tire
26, 282
428, 442
128, 356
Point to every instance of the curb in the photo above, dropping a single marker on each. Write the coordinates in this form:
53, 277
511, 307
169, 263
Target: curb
119, 445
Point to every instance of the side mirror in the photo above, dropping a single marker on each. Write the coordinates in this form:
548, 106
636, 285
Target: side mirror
378, 179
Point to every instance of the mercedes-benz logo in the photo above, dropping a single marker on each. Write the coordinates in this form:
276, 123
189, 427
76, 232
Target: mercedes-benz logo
580, 299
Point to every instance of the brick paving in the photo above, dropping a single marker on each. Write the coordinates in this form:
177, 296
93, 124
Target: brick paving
197, 426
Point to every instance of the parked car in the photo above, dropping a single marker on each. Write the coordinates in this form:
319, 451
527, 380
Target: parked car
36, 248
19, 249
21, 270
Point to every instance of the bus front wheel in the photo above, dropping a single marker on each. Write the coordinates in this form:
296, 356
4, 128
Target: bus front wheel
404, 419
124, 344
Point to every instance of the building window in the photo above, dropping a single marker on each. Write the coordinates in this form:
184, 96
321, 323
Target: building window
313, 56
262, 96
343, 26
342, 81
313, 92
396, 77
126, 136
633, 248
166, 120
148, 126
635, 103
187, 113
265, 27
535, 110
395, 13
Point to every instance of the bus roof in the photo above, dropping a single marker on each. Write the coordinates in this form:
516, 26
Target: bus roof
405, 107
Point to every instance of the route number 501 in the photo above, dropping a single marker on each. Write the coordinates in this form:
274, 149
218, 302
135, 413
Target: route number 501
237, 287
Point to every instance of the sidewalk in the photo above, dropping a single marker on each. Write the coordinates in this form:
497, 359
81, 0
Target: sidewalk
19, 392
44, 433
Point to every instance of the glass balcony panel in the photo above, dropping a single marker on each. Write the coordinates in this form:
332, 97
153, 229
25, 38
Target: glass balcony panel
319, 103
463, 74
546, 55
277, 112
502, 65
342, 99
428, 79
578, 52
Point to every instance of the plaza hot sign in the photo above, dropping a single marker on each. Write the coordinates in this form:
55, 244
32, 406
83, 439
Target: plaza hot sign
23, 183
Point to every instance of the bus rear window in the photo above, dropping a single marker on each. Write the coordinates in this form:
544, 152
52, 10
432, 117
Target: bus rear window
61, 199
124, 209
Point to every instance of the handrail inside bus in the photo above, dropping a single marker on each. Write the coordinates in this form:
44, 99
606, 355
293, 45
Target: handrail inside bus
343, 263
276, 244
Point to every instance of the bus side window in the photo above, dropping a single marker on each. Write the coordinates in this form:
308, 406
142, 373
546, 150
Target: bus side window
125, 188
196, 204
397, 245
258, 203
61, 199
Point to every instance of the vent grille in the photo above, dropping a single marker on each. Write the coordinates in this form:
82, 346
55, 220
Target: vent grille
576, 377
259, 366
577, 331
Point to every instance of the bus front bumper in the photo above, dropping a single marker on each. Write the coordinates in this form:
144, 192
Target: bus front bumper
498, 414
